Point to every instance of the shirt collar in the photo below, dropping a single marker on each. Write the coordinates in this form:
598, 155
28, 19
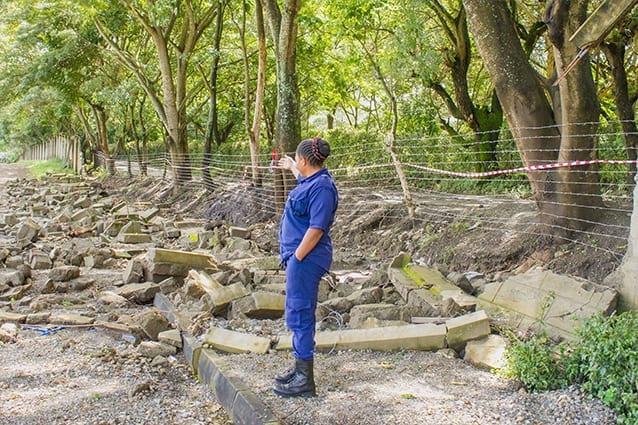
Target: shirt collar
301, 179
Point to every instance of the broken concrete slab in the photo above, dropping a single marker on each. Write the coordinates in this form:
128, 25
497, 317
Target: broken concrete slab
8, 316
391, 338
140, 293
537, 296
152, 349
259, 305
427, 288
488, 352
64, 273
465, 328
151, 322
170, 337
236, 342
160, 264
62, 318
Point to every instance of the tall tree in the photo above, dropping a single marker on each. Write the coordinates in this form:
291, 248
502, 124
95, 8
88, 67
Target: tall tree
175, 27
283, 27
567, 200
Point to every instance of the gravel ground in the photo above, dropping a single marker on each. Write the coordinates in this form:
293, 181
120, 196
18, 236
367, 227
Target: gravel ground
76, 376
412, 387
93, 377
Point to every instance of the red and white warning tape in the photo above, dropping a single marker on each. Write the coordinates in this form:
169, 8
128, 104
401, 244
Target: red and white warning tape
525, 169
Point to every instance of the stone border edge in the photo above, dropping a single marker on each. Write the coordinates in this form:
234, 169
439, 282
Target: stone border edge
242, 405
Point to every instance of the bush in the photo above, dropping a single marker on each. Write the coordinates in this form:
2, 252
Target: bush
603, 360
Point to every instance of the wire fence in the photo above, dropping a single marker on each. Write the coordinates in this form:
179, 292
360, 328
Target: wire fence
448, 180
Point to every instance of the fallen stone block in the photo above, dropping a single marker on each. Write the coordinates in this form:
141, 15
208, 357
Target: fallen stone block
134, 238
160, 264
37, 318
152, 349
219, 299
140, 293
152, 322
15, 293
39, 260
8, 316
64, 273
361, 313
560, 303
238, 232
465, 328
170, 337
28, 231
488, 352
236, 342
12, 278
134, 271
409, 337
70, 319
259, 305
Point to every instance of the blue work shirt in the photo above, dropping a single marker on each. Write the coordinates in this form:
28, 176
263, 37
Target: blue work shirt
313, 203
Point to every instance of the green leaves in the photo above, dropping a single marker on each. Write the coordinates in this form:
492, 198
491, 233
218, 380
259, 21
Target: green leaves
603, 359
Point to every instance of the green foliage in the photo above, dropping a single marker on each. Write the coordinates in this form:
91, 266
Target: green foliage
606, 362
41, 168
603, 360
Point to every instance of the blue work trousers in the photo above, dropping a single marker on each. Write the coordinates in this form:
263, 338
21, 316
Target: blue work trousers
302, 286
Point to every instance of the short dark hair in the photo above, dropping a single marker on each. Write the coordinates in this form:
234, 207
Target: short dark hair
315, 150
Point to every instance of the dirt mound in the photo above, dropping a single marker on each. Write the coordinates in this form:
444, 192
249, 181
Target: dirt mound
484, 234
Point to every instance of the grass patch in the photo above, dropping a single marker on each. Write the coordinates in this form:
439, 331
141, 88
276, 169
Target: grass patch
52, 166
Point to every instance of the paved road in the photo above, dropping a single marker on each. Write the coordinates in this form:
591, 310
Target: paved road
12, 172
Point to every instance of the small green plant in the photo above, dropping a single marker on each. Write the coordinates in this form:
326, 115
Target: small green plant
603, 359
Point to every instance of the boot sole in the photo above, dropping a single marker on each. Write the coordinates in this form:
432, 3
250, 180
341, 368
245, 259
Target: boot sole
305, 394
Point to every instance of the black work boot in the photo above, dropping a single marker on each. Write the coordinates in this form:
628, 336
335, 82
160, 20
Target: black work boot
302, 384
286, 377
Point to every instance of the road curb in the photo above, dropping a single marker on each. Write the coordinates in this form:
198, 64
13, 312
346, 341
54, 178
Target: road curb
242, 405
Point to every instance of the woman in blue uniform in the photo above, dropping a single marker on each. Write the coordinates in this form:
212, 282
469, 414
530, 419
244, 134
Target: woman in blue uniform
305, 249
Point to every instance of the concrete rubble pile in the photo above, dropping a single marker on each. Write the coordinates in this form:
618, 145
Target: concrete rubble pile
74, 256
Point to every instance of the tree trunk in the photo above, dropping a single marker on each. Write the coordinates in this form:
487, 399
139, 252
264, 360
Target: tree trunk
283, 27
579, 198
253, 126
212, 128
567, 200
615, 54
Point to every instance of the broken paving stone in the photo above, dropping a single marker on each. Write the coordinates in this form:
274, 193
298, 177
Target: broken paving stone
488, 352
152, 349
152, 322
28, 231
15, 293
171, 337
366, 296
8, 316
360, 313
74, 285
561, 303
141, 293
259, 305
236, 342
64, 273
465, 328
111, 298
134, 272
70, 319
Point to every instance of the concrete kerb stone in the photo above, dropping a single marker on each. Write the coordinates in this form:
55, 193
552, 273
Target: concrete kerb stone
241, 404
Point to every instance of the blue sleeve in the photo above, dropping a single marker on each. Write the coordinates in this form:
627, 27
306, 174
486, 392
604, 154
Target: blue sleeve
322, 207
